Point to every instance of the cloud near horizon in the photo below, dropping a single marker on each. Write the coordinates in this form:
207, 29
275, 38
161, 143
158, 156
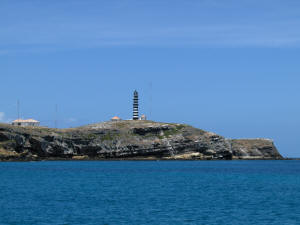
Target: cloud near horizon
71, 120
2, 115
3, 118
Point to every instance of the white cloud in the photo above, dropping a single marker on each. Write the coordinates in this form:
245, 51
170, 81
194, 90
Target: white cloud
4, 119
72, 120
2, 116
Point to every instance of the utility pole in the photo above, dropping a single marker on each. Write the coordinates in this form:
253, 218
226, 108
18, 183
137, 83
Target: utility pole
55, 120
150, 100
18, 108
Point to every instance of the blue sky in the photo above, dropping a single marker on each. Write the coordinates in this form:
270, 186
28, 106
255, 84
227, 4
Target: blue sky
231, 67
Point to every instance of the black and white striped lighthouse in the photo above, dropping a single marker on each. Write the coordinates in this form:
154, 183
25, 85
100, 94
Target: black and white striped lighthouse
135, 105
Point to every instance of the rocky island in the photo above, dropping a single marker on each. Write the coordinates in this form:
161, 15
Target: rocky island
132, 139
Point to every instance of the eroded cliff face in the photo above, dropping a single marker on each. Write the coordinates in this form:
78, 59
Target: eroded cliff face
127, 140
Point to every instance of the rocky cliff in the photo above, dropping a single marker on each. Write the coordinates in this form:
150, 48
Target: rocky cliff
127, 140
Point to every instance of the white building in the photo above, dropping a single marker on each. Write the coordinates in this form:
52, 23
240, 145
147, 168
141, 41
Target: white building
143, 117
26, 123
116, 118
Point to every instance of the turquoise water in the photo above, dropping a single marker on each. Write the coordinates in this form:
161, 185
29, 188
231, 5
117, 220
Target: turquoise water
156, 192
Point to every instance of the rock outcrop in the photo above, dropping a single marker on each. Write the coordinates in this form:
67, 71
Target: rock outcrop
127, 140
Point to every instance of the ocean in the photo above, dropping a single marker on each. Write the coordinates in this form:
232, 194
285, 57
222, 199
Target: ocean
150, 192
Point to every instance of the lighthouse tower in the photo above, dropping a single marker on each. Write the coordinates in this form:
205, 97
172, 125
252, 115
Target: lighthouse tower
135, 105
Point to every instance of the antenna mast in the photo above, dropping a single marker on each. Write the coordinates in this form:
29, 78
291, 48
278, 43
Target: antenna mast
150, 100
55, 120
18, 108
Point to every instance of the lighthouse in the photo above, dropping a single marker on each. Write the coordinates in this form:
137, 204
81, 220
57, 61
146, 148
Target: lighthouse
135, 105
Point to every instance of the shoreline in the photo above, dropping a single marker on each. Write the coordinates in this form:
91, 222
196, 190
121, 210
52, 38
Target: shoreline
142, 159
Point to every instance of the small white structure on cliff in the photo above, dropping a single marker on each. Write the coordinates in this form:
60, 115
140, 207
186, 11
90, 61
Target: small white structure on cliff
143, 117
26, 123
116, 118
